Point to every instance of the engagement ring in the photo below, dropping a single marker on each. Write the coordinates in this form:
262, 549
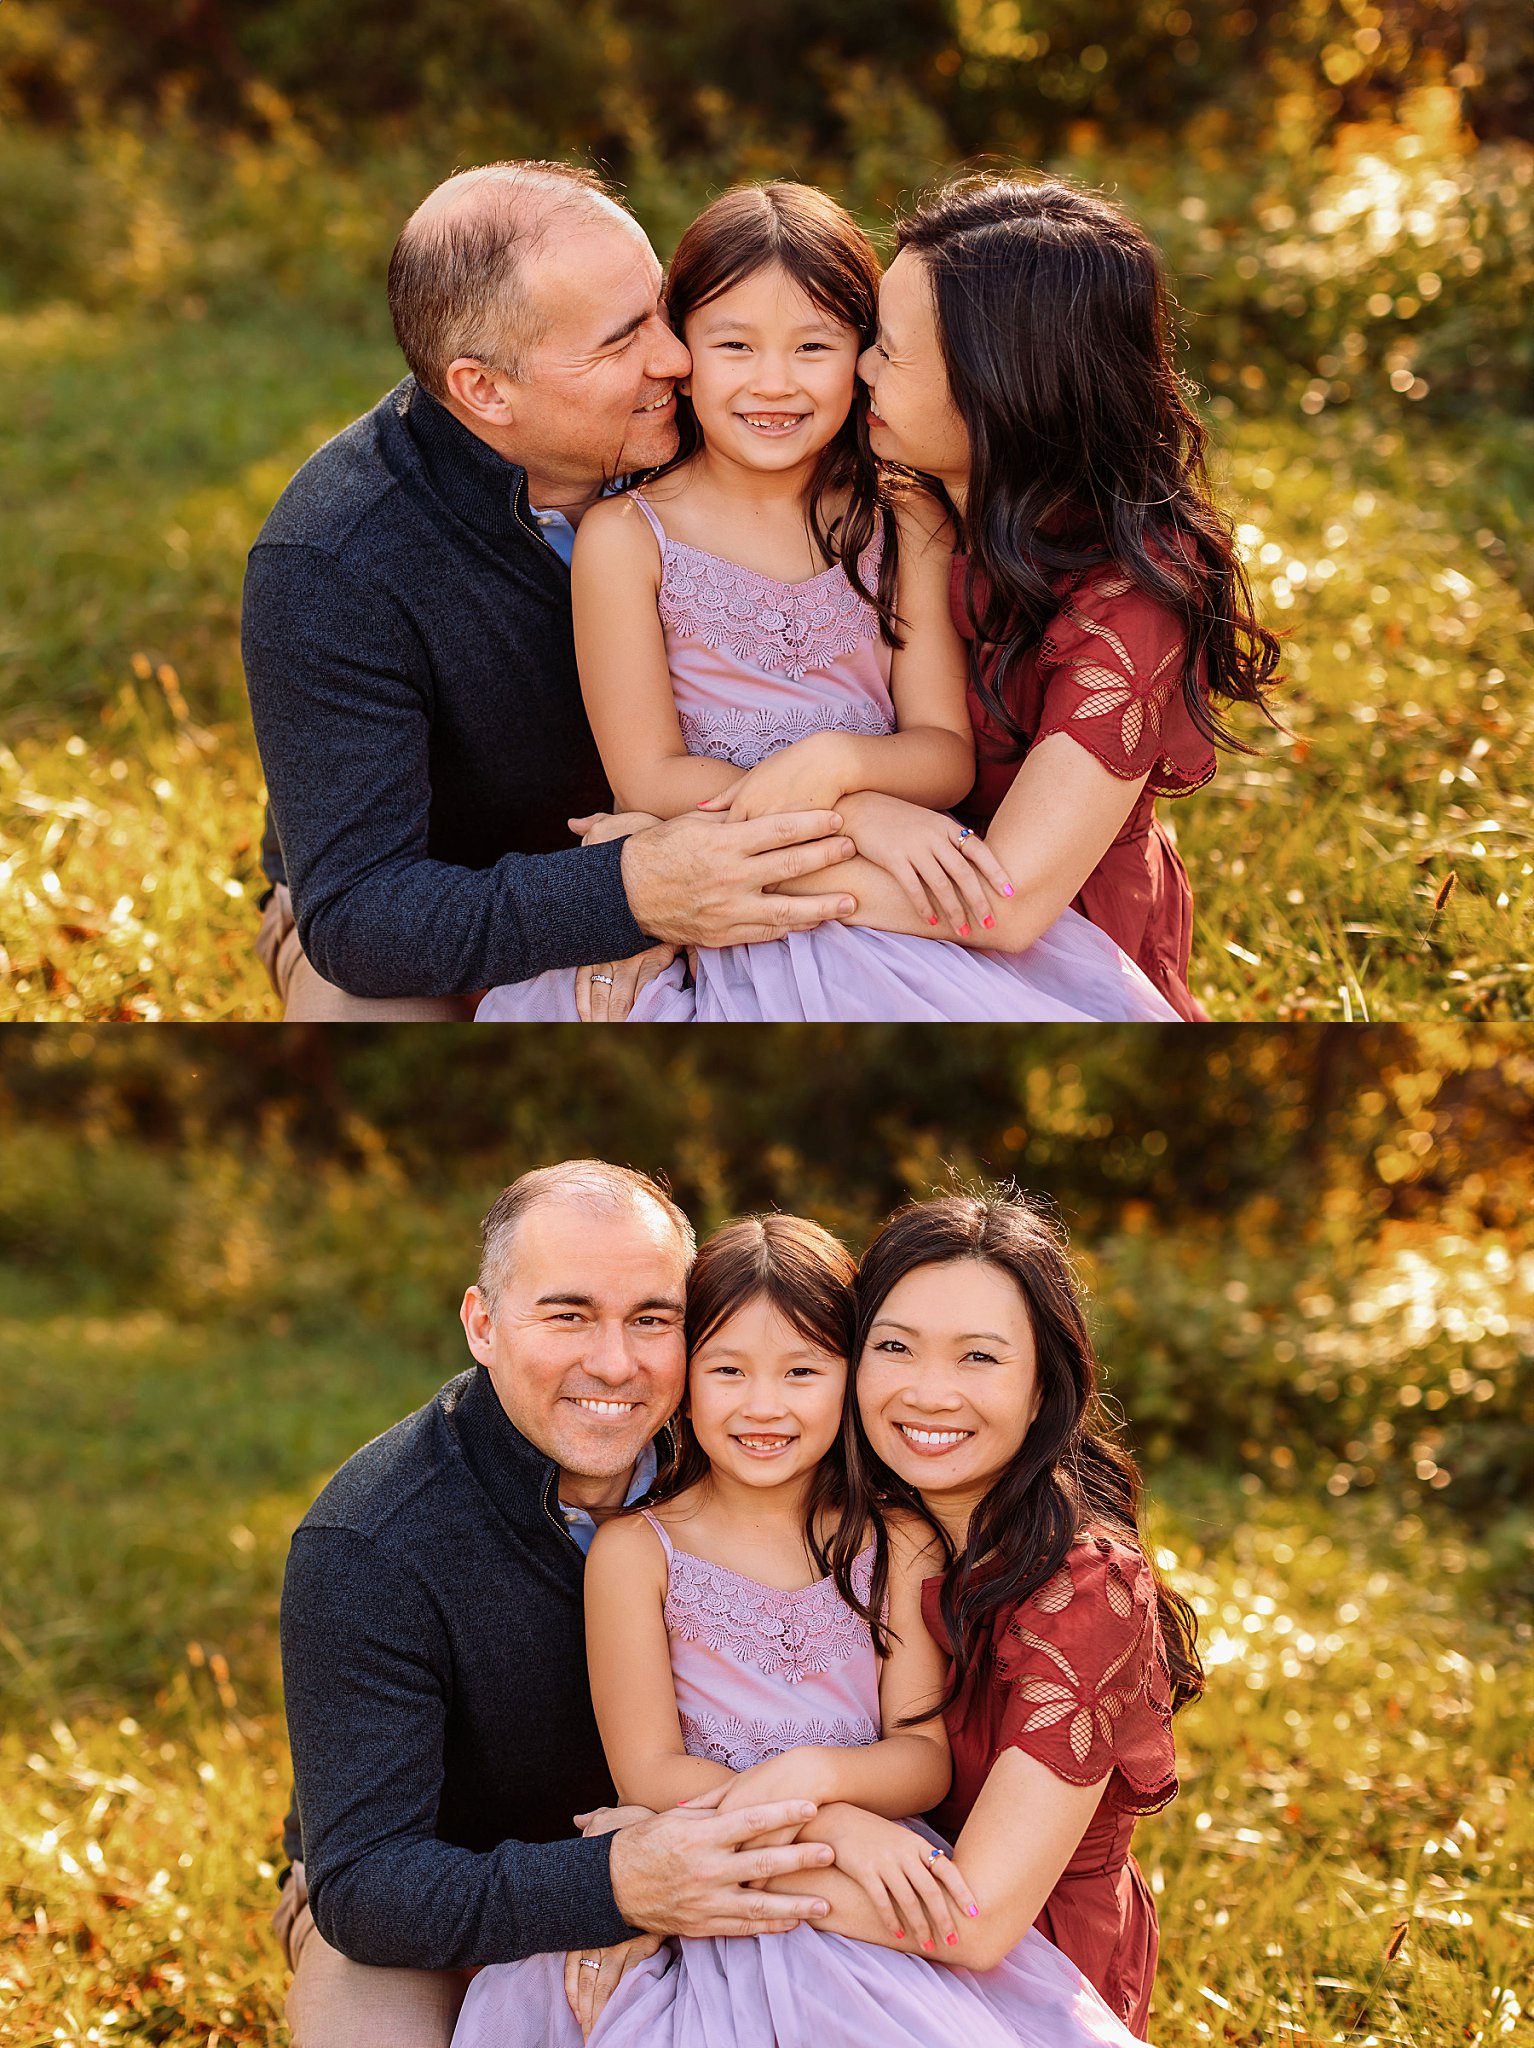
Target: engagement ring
589, 1963
965, 833
608, 979
933, 1854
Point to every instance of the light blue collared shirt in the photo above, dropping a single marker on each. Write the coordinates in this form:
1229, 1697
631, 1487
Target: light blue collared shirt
560, 535
579, 1523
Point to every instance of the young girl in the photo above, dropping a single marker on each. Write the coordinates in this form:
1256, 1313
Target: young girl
725, 1665
977, 1410
762, 629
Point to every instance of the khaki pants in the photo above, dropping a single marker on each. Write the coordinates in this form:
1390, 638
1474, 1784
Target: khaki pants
335, 2003
307, 998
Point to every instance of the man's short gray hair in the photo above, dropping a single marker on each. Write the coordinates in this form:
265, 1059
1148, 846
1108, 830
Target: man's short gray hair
458, 276
592, 1182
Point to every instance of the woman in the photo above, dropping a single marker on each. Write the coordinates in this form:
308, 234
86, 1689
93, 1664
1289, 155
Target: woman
977, 1410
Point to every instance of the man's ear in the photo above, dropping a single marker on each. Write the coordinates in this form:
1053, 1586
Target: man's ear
487, 395
478, 1326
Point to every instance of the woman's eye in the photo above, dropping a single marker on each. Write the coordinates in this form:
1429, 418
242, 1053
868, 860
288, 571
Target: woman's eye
892, 1345
978, 1357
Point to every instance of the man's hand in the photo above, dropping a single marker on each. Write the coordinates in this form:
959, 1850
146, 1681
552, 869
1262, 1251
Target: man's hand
606, 991
592, 1976
687, 1872
706, 881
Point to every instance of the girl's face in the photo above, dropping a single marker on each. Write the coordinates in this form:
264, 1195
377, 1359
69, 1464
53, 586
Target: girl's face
764, 1402
912, 418
948, 1381
773, 376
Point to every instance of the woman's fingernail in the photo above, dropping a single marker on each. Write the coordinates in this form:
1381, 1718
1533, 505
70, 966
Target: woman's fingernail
1006, 888
932, 920
929, 1946
953, 1941
988, 922
974, 1912
963, 931
900, 1934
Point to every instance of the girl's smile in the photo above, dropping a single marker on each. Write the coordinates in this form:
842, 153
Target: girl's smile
764, 1402
773, 374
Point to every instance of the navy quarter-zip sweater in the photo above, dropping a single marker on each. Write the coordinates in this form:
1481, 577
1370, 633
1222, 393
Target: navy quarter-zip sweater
410, 661
434, 1661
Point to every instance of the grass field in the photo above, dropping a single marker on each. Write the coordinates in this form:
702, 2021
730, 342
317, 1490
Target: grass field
1350, 1858
1373, 860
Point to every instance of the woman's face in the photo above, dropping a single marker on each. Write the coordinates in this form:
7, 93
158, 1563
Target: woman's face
948, 1381
764, 1402
912, 418
773, 375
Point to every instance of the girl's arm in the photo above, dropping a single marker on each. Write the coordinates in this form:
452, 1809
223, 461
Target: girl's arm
625, 681
931, 758
909, 1769
1062, 813
1016, 1843
630, 1666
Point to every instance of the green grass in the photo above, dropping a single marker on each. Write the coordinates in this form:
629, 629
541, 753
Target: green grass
1357, 1768
1376, 860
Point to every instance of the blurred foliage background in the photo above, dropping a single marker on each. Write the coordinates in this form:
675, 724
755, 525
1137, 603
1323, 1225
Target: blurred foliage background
196, 207
228, 1258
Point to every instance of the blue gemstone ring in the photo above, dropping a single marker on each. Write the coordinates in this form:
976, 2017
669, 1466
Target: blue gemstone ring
965, 833
933, 1854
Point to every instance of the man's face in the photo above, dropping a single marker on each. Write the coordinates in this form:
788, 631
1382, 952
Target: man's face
585, 1349
598, 397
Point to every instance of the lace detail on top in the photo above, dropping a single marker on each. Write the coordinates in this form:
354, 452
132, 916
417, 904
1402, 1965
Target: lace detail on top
788, 1635
727, 1739
1090, 1690
788, 629
1113, 661
745, 737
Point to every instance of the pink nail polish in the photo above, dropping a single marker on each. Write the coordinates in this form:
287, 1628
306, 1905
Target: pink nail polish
963, 931
989, 923
900, 1934
1006, 889
929, 1946
974, 1912
953, 1941
932, 920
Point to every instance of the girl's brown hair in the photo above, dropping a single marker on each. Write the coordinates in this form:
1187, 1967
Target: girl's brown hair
802, 231
807, 1275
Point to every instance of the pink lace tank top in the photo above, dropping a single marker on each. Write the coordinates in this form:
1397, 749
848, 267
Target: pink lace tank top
756, 664
759, 1670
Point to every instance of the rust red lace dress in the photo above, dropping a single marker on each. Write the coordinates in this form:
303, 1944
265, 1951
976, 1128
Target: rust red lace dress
1108, 672
1078, 1678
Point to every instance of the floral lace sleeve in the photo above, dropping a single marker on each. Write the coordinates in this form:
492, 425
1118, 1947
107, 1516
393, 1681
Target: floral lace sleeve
1088, 1690
1111, 664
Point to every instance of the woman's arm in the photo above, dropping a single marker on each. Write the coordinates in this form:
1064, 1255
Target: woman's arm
630, 1666
1062, 813
1023, 1831
625, 680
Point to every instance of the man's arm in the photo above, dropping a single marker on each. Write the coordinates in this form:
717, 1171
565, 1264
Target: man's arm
364, 1679
341, 723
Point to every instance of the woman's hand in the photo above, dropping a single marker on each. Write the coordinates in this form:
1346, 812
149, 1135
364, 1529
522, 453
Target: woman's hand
918, 1896
810, 775
944, 870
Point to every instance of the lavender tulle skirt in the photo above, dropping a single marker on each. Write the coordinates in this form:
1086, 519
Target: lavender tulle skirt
800, 1990
839, 973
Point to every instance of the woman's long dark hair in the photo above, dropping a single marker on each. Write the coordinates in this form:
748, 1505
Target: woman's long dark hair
1068, 1476
807, 1275
801, 230
1056, 332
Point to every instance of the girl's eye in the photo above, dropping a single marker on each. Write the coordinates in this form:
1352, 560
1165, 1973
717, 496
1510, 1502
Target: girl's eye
724, 1371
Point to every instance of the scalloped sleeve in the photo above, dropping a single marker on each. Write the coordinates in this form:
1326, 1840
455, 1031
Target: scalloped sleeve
1084, 1672
1111, 666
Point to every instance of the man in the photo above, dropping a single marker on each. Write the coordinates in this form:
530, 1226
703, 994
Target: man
434, 1658
408, 647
